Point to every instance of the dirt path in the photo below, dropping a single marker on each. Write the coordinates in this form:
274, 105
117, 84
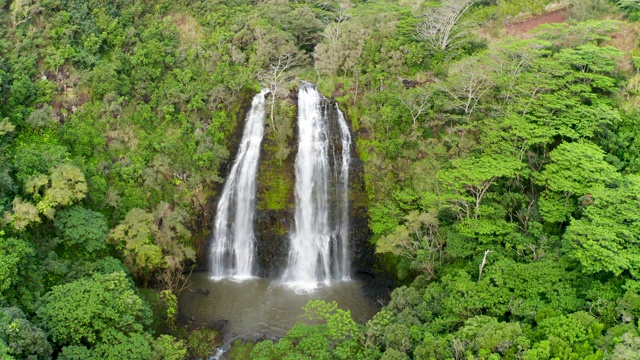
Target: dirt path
523, 26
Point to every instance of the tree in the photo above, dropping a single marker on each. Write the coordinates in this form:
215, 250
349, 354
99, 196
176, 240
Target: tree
16, 266
6, 127
81, 232
575, 168
166, 347
152, 242
37, 157
65, 185
416, 101
584, 32
345, 55
23, 214
626, 4
474, 176
23, 10
134, 346
93, 311
133, 237
509, 289
170, 233
273, 77
400, 323
520, 75
441, 25
393, 354
484, 335
335, 336
23, 339
573, 336
418, 240
628, 348
75, 352
42, 117
468, 81
299, 20
606, 237
333, 30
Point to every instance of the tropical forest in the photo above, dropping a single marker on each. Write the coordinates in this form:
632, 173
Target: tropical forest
320, 179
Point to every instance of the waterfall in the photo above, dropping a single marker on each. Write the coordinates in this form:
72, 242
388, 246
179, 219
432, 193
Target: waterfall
319, 241
342, 267
233, 248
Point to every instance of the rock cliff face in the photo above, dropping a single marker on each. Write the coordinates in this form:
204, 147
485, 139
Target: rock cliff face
272, 245
274, 216
362, 251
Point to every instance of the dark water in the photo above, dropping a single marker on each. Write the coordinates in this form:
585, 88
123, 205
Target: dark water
259, 307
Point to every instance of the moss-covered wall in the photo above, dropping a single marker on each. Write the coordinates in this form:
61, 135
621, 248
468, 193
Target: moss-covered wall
275, 201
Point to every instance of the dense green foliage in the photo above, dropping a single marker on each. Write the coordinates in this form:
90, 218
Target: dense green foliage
114, 119
502, 172
502, 190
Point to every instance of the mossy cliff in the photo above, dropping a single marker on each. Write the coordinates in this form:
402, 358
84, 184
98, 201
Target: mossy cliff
275, 203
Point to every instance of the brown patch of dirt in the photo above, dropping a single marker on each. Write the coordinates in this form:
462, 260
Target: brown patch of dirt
524, 26
626, 39
189, 29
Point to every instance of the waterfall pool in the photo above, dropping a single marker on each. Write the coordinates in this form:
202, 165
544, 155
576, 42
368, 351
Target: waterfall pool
259, 307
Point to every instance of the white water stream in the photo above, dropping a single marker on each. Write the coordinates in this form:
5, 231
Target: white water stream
233, 247
319, 251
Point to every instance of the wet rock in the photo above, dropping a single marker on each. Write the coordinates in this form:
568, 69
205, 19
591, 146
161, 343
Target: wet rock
272, 241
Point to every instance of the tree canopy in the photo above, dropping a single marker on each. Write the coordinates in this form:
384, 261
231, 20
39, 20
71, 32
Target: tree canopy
500, 166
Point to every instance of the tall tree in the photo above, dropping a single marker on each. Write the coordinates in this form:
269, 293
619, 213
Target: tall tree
22, 339
93, 311
275, 75
606, 238
576, 169
441, 25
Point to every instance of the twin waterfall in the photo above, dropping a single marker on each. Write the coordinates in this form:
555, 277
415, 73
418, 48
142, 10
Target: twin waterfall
318, 252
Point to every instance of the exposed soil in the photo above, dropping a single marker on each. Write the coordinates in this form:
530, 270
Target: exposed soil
189, 30
523, 26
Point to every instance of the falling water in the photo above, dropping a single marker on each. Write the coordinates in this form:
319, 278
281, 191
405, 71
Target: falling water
319, 242
342, 266
232, 251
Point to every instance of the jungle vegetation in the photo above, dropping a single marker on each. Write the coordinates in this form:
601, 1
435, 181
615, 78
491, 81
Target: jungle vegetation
501, 168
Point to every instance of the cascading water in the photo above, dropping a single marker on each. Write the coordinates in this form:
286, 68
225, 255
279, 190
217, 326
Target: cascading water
342, 266
233, 248
319, 242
